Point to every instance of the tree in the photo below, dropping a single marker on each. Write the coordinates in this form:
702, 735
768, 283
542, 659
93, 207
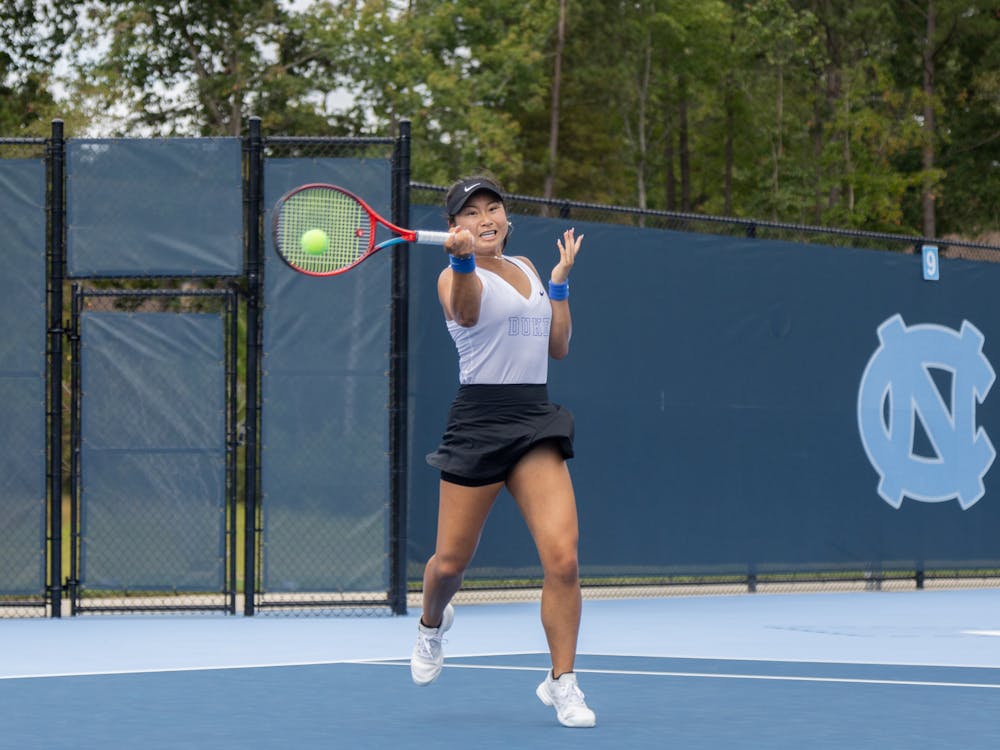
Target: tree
691, 41
635, 99
202, 67
33, 35
860, 123
594, 159
554, 108
850, 112
785, 42
967, 198
466, 75
935, 33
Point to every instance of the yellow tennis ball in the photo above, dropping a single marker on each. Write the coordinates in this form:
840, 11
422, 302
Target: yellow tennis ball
315, 242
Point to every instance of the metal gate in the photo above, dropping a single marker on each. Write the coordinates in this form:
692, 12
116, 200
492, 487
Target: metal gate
153, 432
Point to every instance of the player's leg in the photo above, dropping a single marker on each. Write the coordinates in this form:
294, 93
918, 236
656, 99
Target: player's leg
542, 487
462, 512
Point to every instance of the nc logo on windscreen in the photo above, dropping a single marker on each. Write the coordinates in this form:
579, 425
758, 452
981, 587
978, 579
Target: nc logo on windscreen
899, 389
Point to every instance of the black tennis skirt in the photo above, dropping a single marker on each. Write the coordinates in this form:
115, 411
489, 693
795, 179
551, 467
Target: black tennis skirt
490, 427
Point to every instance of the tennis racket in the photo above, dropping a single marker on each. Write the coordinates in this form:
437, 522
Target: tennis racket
324, 230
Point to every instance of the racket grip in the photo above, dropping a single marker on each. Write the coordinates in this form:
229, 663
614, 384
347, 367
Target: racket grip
432, 238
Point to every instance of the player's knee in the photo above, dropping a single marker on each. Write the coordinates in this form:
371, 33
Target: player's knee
563, 567
450, 567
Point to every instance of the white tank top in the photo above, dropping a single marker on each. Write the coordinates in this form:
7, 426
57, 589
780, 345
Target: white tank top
510, 342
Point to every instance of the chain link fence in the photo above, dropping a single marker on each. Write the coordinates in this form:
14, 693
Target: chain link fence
153, 450
172, 499
25, 516
524, 584
985, 248
175, 381
328, 525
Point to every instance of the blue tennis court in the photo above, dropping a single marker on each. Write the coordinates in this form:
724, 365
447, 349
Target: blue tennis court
914, 669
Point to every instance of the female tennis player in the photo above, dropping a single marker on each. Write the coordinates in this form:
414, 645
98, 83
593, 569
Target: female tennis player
502, 430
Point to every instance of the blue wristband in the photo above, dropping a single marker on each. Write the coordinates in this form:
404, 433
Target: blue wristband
462, 265
558, 292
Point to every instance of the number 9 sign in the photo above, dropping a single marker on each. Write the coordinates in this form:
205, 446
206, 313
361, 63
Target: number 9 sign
932, 271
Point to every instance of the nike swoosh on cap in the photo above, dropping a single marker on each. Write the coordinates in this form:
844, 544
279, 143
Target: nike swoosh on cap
472, 187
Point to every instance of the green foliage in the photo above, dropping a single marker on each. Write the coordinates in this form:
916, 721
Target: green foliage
203, 67
33, 35
466, 74
964, 50
969, 199
806, 111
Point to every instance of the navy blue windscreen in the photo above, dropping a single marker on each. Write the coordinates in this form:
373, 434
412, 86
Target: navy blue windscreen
154, 207
153, 451
22, 377
325, 393
715, 383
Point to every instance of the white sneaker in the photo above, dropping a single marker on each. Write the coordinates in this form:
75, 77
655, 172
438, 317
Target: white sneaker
428, 656
567, 698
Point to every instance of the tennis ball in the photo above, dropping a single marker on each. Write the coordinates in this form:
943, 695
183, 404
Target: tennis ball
315, 242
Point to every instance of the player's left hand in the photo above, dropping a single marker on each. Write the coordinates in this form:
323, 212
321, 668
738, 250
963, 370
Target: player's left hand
569, 246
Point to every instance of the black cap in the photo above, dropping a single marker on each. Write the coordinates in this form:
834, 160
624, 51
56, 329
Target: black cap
462, 190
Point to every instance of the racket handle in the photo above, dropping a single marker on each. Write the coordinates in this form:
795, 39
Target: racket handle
432, 238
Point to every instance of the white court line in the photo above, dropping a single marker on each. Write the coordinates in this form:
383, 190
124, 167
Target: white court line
791, 678
981, 632
783, 660
260, 665
713, 675
740, 659
404, 661
167, 670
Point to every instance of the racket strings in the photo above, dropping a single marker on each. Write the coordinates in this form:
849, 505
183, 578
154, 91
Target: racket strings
345, 222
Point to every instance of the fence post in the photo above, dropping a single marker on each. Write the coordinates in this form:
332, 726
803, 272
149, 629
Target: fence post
254, 149
73, 582
56, 158
398, 364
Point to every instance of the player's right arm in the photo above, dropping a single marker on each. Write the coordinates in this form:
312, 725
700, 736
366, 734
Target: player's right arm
460, 293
